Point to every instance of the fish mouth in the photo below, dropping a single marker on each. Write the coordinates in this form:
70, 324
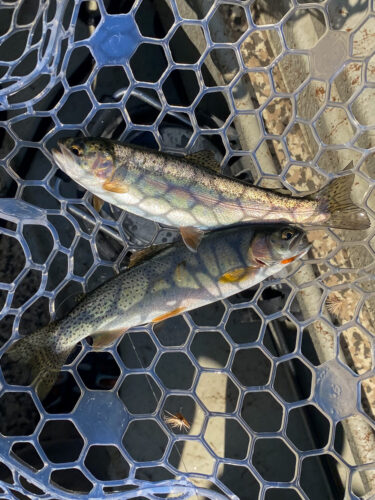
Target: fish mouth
297, 256
299, 245
65, 160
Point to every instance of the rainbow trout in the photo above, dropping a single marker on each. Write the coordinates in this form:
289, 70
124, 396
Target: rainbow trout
157, 287
189, 192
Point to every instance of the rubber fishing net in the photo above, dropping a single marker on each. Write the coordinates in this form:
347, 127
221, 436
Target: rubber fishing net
276, 383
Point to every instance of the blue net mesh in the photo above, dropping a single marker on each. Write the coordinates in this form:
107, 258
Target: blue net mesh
277, 383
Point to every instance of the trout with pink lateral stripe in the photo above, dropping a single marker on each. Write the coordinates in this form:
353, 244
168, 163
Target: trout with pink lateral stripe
190, 193
156, 287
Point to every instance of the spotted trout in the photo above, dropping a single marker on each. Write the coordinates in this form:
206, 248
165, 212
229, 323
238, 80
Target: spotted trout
190, 193
156, 287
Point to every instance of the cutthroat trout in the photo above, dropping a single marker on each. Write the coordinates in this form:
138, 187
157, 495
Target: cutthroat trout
189, 192
171, 281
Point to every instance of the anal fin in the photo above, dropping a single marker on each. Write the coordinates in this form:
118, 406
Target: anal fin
191, 236
106, 339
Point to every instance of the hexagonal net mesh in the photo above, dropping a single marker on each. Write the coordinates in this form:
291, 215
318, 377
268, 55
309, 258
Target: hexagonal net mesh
277, 383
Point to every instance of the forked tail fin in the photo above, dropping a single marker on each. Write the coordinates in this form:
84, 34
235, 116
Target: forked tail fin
33, 361
344, 214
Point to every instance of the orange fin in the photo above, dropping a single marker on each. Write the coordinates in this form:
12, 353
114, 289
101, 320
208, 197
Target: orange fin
115, 187
97, 202
237, 275
106, 339
191, 236
168, 315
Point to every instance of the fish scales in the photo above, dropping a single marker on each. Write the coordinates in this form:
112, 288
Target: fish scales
168, 283
181, 192
133, 297
228, 199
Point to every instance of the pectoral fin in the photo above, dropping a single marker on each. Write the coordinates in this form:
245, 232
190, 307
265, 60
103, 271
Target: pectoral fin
192, 237
115, 187
106, 339
97, 203
204, 158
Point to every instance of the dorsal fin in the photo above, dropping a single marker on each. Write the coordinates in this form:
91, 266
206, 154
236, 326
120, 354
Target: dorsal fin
146, 253
192, 237
204, 158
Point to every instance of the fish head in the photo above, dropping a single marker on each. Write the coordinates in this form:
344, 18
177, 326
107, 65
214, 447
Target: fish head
278, 246
88, 161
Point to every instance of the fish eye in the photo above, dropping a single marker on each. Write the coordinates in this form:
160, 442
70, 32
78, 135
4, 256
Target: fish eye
76, 150
287, 234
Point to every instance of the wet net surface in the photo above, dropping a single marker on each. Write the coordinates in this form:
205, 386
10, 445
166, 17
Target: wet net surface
277, 382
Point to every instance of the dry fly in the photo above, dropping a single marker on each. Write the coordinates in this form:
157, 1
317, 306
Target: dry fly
176, 421
335, 304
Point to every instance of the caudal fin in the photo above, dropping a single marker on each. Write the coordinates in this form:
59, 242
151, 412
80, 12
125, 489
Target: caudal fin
344, 214
30, 361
